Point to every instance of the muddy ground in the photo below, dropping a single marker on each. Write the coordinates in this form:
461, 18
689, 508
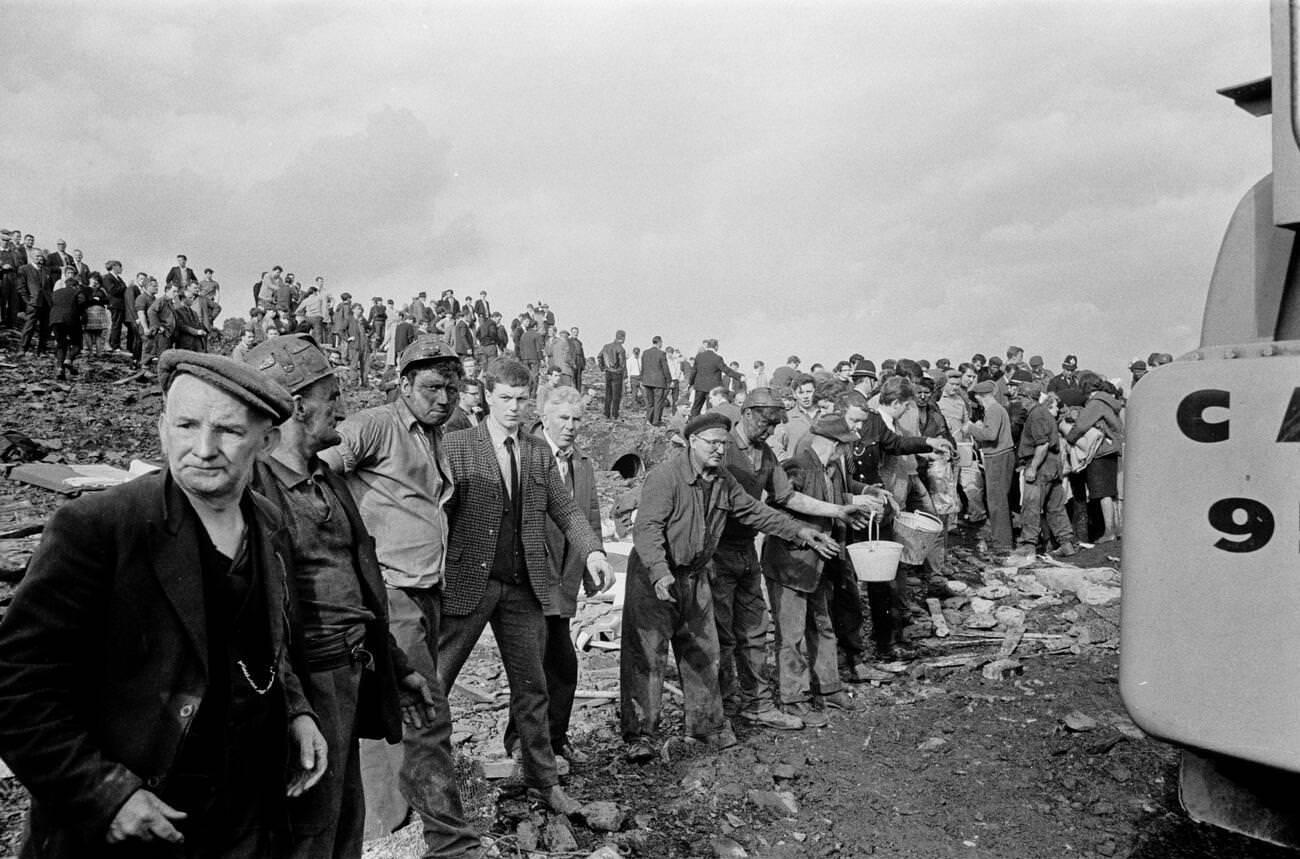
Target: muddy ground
942, 762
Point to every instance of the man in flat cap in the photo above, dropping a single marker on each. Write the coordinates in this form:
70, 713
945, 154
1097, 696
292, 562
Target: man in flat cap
396, 466
738, 606
146, 692
685, 504
353, 670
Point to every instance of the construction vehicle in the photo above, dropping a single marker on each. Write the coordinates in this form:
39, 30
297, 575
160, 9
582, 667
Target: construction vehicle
1211, 612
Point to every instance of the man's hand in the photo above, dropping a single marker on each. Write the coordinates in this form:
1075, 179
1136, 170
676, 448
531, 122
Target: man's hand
858, 515
940, 445
601, 572
664, 589
819, 542
1030, 473
306, 739
145, 817
417, 700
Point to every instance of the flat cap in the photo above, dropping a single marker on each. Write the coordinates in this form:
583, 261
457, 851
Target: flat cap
708, 420
294, 361
834, 427
1036, 360
1021, 375
240, 381
763, 398
984, 387
1137, 364
427, 349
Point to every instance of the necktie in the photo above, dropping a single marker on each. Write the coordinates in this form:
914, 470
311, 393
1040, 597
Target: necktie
514, 470
565, 461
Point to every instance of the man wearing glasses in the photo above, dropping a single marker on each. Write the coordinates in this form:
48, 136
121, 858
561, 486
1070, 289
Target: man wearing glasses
686, 503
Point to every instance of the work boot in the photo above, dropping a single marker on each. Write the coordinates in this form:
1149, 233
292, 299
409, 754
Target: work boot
840, 700
640, 751
572, 755
719, 740
864, 673
1067, 550
773, 718
555, 799
809, 716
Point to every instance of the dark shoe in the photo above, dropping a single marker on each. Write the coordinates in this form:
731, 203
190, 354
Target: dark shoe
72, 369
572, 755
773, 718
555, 799
640, 751
896, 652
840, 700
62, 377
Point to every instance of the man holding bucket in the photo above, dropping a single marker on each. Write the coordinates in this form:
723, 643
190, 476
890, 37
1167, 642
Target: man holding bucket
797, 581
738, 606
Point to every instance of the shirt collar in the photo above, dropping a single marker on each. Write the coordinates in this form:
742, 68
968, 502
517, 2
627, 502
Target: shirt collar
289, 476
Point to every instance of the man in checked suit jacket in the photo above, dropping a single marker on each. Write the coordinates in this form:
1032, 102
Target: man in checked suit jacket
498, 569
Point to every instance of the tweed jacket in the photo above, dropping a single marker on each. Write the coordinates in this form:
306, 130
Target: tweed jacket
569, 567
474, 516
103, 654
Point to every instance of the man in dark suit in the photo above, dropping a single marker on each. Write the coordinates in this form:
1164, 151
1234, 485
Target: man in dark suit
655, 378
562, 413
180, 274
10, 261
482, 307
355, 674
577, 357
60, 257
146, 688
531, 346
706, 374
119, 304
80, 269
506, 486
36, 287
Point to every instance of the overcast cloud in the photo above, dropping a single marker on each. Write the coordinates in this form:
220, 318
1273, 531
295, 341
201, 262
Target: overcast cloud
912, 178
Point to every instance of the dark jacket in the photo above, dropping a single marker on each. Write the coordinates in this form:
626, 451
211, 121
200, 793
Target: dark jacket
654, 368
875, 439
474, 515
794, 565
180, 277
530, 346
103, 653
66, 304
612, 358
708, 370
577, 357
117, 292
379, 714
35, 285
677, 530
568, 565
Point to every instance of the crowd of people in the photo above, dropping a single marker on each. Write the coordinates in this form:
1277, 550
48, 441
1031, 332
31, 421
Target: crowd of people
305, 585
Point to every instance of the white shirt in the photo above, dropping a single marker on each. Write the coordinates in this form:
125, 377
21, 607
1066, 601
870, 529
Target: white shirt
499, 436
561, 463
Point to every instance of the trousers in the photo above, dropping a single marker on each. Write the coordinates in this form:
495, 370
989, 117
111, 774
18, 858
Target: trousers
999, 471
425, 768
649, 626
328, 820
1044, 498
520, 630
613, 393
741, 618
654, 404
805, 641
560, 662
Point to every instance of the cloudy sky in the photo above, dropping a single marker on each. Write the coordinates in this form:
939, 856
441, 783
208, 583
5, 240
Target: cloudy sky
895, 178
